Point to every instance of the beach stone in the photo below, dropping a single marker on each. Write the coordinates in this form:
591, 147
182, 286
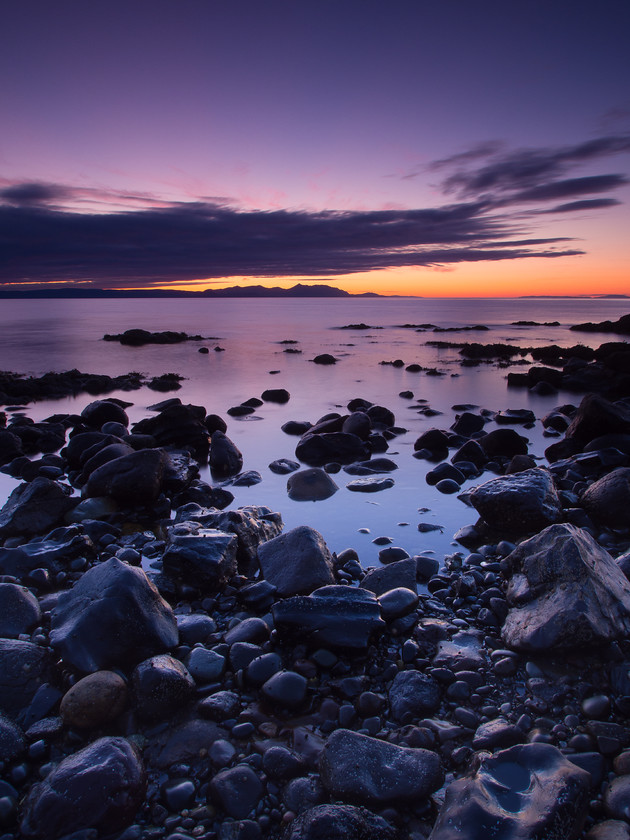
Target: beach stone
463, 652
12, 740
358, 423
10, 446
397, 602
24, 669
101, 786
369, 771
443, 471
370, 485
19, 610
435, 440
188, 742
607, 500
312, 485
276, 395
195, 627
497, 734
413, 694
247, 479
468, 423
283, 466
225, 457
324, 359
161, 686
286, 689
398, 573
303, 793
343, 822
374, 465
392, 554
520, 503
107, 453
471, 452
94, 700
296, 427
617, 798
297, 561
335, 616
598, 416
130, 480
319, 449
35, 507
181, 426
516, 416
112, 616
527, 791
565, 591
282, 764
205, 665
99, 412
236, 790
204, 558
503, 442
447, 486
609, 830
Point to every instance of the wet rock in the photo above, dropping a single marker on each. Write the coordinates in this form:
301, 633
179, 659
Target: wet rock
19, 610
101, 786
609, 830
35, 508
607, 500
10, 446
281, 764
359, 424
112, 616
370, 485
343, 822
97, 413
565, 592
324, 359
336, 616
181, 426
312, 485
368, 771
12, 740
617, 798
161, 686
276, 395
205, 666
187, 742
236, 790
464, 652
435, 441
296, 562
398, 573
204, 557
397, 602
524, 792
286, 689
24, 668
130, 480
520, 503
283, 466
468, 423
319, 449
517, 416
444, 471
225, 458
503, 442
496, 734
597, 416
413, 694
296, 427
94, 700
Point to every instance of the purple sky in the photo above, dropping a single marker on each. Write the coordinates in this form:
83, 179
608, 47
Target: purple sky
191, 117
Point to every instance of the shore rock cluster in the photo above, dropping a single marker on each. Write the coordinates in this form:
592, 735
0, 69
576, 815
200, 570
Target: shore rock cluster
173, 669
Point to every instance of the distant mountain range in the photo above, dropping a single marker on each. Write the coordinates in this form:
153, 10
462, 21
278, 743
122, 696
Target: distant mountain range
301, 290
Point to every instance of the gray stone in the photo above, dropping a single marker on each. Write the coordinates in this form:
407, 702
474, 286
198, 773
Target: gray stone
413, 694
341, 822
312, 485
130, 480
497, 734
520, 503
35, 508
94, 700
368, 771
161, 685
286, 689
607, 500
399, 573
296, 562
19, 610
397, 602
565, 592
24, 668
203, 557
236, 790
464, 652
205, 665
53, 552
370, 485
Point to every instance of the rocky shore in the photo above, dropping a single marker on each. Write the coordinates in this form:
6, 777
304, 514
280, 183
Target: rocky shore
173, 668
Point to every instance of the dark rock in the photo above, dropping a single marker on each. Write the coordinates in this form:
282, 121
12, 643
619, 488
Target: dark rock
381, 417
296, 562
620, 326
468, 423
187, 742
374, 465
12, 740
503, 442
137, 337
236, 790
398, 573
359, 424
19, 610
521, 503
517, 416
35, 508
370, 771
181, 426
225, 458
10, 446
283, 466
324, 359
96, 414
312, 485
94, 700
336, 616
130, 480
597, 416
617, 798
343, 822
392, 554
608, 499
524, 792
319, 449
435, 440
370, 485
296, 427
112, 616
464, 652
565, 592
470, 451
24, 668
286, 689
220, 706
397, 602
413, 694
202, 557
161, 686
443, 471
101, 786
276, 395
497, 734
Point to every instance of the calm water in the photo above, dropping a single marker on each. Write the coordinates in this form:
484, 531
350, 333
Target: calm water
37, 336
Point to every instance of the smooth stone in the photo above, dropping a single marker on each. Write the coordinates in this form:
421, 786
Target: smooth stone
35, 507
276, 395
221, 705
205, 666
319, 449
283, 466
130, 480
24, 670
225, 457
397, 602
395, 574
286, 689
312, 485
607, 500
392, 554
236, 790
497, 734
297, 561
247, 479
19, 610
343, 822
94, 700
448, 486
161, 686
370, 485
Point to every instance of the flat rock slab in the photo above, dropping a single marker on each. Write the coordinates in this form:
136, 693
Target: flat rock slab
368, 771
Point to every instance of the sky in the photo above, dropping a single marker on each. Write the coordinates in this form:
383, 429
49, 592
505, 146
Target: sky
452, 148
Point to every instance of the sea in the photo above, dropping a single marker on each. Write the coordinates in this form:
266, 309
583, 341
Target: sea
37, 336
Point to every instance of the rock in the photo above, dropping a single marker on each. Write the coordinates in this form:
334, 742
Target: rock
392, 554
607, 500
113, 616
187, 742
399, 573
374, 465
527, 791
225, 458
398, 602
468, 423
130, 480
296, 427
413, 694
12, 740
369, 771
324, 359
597, 416
370, 485
435, 440
204, 557
503, 442
205, 665
464, 652
181, 426
296, 562
236, 790
343, 822
97, 413
520, 503
617, 798
102, 456
35, 508
10, 446
161, 686
312, 485
609, 830
101, 786
276, 395
94, 700
565, 592
496, 734
336, 616
319, 449
283, 466
286, 689
281, 764
24, 668
358, 423
19, 610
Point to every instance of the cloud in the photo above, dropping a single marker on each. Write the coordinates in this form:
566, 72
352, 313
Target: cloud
33, 193
189, 241
585, 204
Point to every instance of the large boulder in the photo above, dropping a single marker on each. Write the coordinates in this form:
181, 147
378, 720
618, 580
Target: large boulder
608, 499
520, 503
112, 617
101, 786
343, 822
335, 616
203, 557
597, 416
182, 426
319, 449
565, 591
35, 507
369, 771
526, 792
297, 562
131, 480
